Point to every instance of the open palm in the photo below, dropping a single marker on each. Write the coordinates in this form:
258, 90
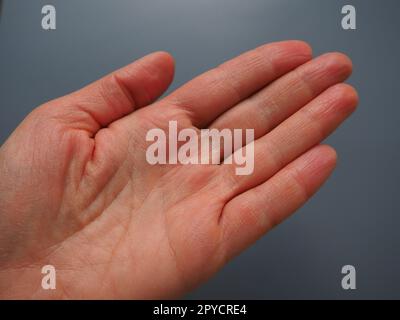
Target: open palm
76, 191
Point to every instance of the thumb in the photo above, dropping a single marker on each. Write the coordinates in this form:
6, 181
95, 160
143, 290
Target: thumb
117, 94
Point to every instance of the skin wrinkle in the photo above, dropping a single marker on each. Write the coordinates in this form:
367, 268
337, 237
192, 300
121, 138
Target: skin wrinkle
73, 119
184, 281
106, 208
149, 74
115, 247
92, 161
216, 248
296, 177
185, 106
126, 93
267, 109
99, 195
270, 213
38, 124
304, 83
109, 98
234, 88
82, 227
226, 235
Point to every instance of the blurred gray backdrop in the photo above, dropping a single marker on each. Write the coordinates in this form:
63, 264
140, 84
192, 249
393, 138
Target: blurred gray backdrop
354, 219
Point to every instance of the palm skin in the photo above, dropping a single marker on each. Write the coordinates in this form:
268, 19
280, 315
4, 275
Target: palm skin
77, 192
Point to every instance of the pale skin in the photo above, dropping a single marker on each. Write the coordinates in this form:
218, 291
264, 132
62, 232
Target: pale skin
76, 191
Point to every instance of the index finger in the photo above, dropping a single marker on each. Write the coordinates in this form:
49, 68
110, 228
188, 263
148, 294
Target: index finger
209, 95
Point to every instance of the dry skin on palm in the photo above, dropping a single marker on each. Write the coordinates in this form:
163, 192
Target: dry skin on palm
77, 192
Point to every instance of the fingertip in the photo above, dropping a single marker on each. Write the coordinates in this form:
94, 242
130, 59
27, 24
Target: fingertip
166, 57
165, 62
298, 47
351, 95
315, 167
347, 97
287, 55
302, 46
338, 63
329, 154
320, 160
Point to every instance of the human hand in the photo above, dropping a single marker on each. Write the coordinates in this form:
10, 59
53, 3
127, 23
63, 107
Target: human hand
76, 191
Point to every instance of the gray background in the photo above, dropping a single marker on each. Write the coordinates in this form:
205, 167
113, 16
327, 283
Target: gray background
354, 219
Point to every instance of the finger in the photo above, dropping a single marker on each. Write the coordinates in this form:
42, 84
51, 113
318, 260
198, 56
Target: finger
120, 92
267, 108
209, 95
306, 128
251, 214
